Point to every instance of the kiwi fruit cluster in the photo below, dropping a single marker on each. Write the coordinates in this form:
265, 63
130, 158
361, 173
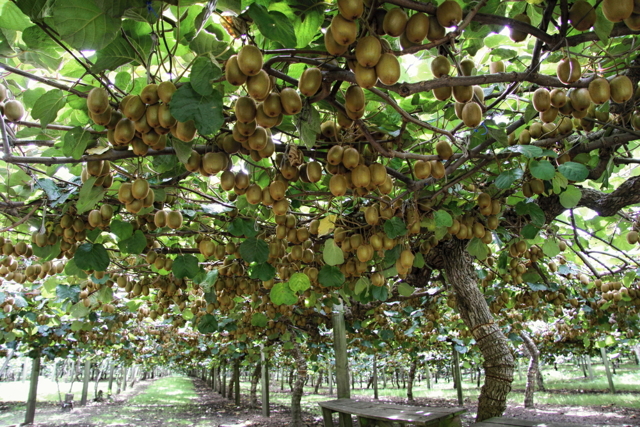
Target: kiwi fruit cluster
11, 109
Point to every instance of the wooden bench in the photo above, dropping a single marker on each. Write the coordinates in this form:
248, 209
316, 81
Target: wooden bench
515, 422
388, 415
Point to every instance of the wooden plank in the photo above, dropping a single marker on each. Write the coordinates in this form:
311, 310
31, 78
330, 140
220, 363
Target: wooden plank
390, 412
515, 422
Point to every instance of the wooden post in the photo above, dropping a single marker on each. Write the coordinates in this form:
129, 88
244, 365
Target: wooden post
112, 367
224, 379
458, 375
124, 378
589, 367
236, 374
33, 391
85, 382
342, 360
428, 376
330, 378
605, 360
375, 376
266, 411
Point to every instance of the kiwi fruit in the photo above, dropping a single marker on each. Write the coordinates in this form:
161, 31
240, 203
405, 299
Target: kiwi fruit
291, 101
496, 67
463, 94
437, 169
13, 110
422, 169
467, 66
471, 114
3, 93
632, 237
388, 69
141, 125
102, 119
186, 131
440, 66
436, 31
417, 28
479, 94
272, 106
259, 86
149, 94
165, 118
310, 81
442, 93
366, 77
617, 10
344, 32
535, 130
518, 36
443, 148
558, 98
233, 73
549, 115
125, 131
97, 100
139, 188
351, 9
633, 22
395, 22
449, 13
332, 45
338, 185
329, 129
174, 219
166, 91
580, 98
599, 90
537, 187
368, 51
194, 161
250, 60
565, 126
621, 89
582, 15
569, 70
258, 140
354, 98
541, 100
245, 109
134, 109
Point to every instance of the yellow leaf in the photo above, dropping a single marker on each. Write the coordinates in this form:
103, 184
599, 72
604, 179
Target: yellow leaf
327, 225
97, 150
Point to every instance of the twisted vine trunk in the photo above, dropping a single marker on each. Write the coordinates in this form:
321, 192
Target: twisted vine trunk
253, 392
455, 262
298, 387
412, 377
319, 381
532, 372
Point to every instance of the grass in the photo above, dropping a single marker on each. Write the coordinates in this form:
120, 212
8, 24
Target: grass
167, 391
17, 391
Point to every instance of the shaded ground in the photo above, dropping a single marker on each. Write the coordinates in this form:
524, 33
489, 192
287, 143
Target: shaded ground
202, 407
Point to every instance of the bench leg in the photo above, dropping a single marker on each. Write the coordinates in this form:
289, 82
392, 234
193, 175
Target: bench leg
368, 422
452, 422
327, 417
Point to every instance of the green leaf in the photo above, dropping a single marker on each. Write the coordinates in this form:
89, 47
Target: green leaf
105, 295
83, 25
208, 324
71, 269
259, 320
418, 260
134, 244
478, 249
263, 271
50, 188
542, 169
307, 26
254, 250
47, 253
75, 142
206, 44
603, 26
117, 53
281, 293
574, 171
362, 284
183, 149
405, 289
332, 254
529, 151
530, 231
185, 266
78, 310
381, 293
443, 219
395, 227
205, 111
209, 280
12, 18
533, 210
507, 178
240, 227
89, 195
35, 38
308, 124
123, 230
299, 282
203, 72
330, 276
550, 247
66, 292
273, 25
91, 256
35, 9
570, 197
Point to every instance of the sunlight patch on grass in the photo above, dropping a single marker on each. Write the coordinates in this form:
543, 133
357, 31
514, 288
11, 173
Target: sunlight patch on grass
167, 391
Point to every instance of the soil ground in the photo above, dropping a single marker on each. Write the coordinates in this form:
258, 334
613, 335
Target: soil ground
210, 409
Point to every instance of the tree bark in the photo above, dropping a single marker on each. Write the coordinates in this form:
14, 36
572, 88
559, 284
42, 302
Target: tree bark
532, 372
253, 392
298, 388
5, 365
33, 391
85, 382
412, 376
319, 381
452, 258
